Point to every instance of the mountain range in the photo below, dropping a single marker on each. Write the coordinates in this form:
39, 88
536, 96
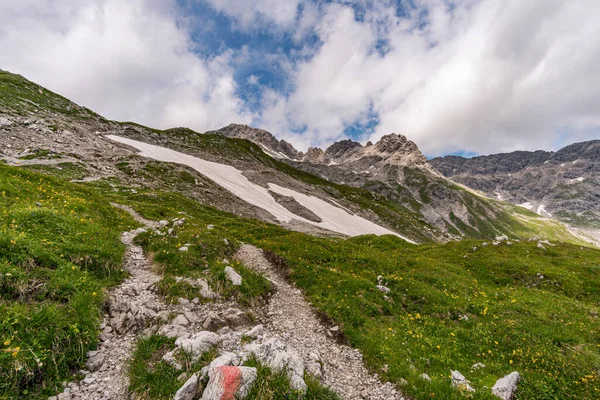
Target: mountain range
390, 183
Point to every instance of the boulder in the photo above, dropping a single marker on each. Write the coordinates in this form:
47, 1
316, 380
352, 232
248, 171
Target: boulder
225, 359
234, 277
506, 387
181, 320
189, 390
229, 383
274, 354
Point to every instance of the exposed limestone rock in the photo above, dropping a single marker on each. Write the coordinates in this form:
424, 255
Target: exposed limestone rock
277, 356
460, 382
235, 317
234, 277
229, 383
506, 387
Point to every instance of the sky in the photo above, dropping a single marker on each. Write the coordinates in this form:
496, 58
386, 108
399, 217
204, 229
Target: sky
455, 76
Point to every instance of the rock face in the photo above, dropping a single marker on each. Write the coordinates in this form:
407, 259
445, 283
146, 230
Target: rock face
563, 184
506, 387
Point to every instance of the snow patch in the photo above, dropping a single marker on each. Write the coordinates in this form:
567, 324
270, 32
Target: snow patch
541, 210
333, 218
526, 205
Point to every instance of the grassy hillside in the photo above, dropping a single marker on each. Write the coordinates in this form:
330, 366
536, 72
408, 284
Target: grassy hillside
59, 250
510, 307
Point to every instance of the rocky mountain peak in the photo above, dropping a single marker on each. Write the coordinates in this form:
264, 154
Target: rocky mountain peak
342, 148
314, 155
269, 143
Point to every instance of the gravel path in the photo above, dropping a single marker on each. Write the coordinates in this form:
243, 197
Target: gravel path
290, 318
131, 305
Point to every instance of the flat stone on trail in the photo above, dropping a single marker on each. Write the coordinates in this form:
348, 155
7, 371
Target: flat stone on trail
213, 322
235, 316
255, 332
172, 331
229, 383
197, 343
225, 359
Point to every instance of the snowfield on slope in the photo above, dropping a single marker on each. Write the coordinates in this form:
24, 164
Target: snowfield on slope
333, 218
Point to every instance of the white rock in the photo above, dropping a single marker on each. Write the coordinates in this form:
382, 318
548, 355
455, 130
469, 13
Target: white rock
181, 320
501, 238
172, 331
234, 277
183, 248
383, 289
189, 390
541, 246
506, 387
170, 359
477, 366
274, 354
205, 290
225, 359
235, 317
460, 382
425, 377
162, 224
238, 379
197, 343
255, 332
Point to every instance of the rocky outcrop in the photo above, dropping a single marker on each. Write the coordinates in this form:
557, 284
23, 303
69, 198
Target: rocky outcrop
275, 148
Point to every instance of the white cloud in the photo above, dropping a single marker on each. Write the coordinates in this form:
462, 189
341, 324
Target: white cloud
254, 14
483, 76
476, 75
126, 60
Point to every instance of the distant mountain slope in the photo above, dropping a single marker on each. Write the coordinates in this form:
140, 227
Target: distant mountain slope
563, 184
389, 183
395, 168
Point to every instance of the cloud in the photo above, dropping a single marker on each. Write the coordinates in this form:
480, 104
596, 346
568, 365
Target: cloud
255, 14
452, 75
482, 76
128, 60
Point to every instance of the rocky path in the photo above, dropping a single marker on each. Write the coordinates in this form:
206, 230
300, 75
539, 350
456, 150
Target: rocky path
291, 331
291, 319
131, 305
